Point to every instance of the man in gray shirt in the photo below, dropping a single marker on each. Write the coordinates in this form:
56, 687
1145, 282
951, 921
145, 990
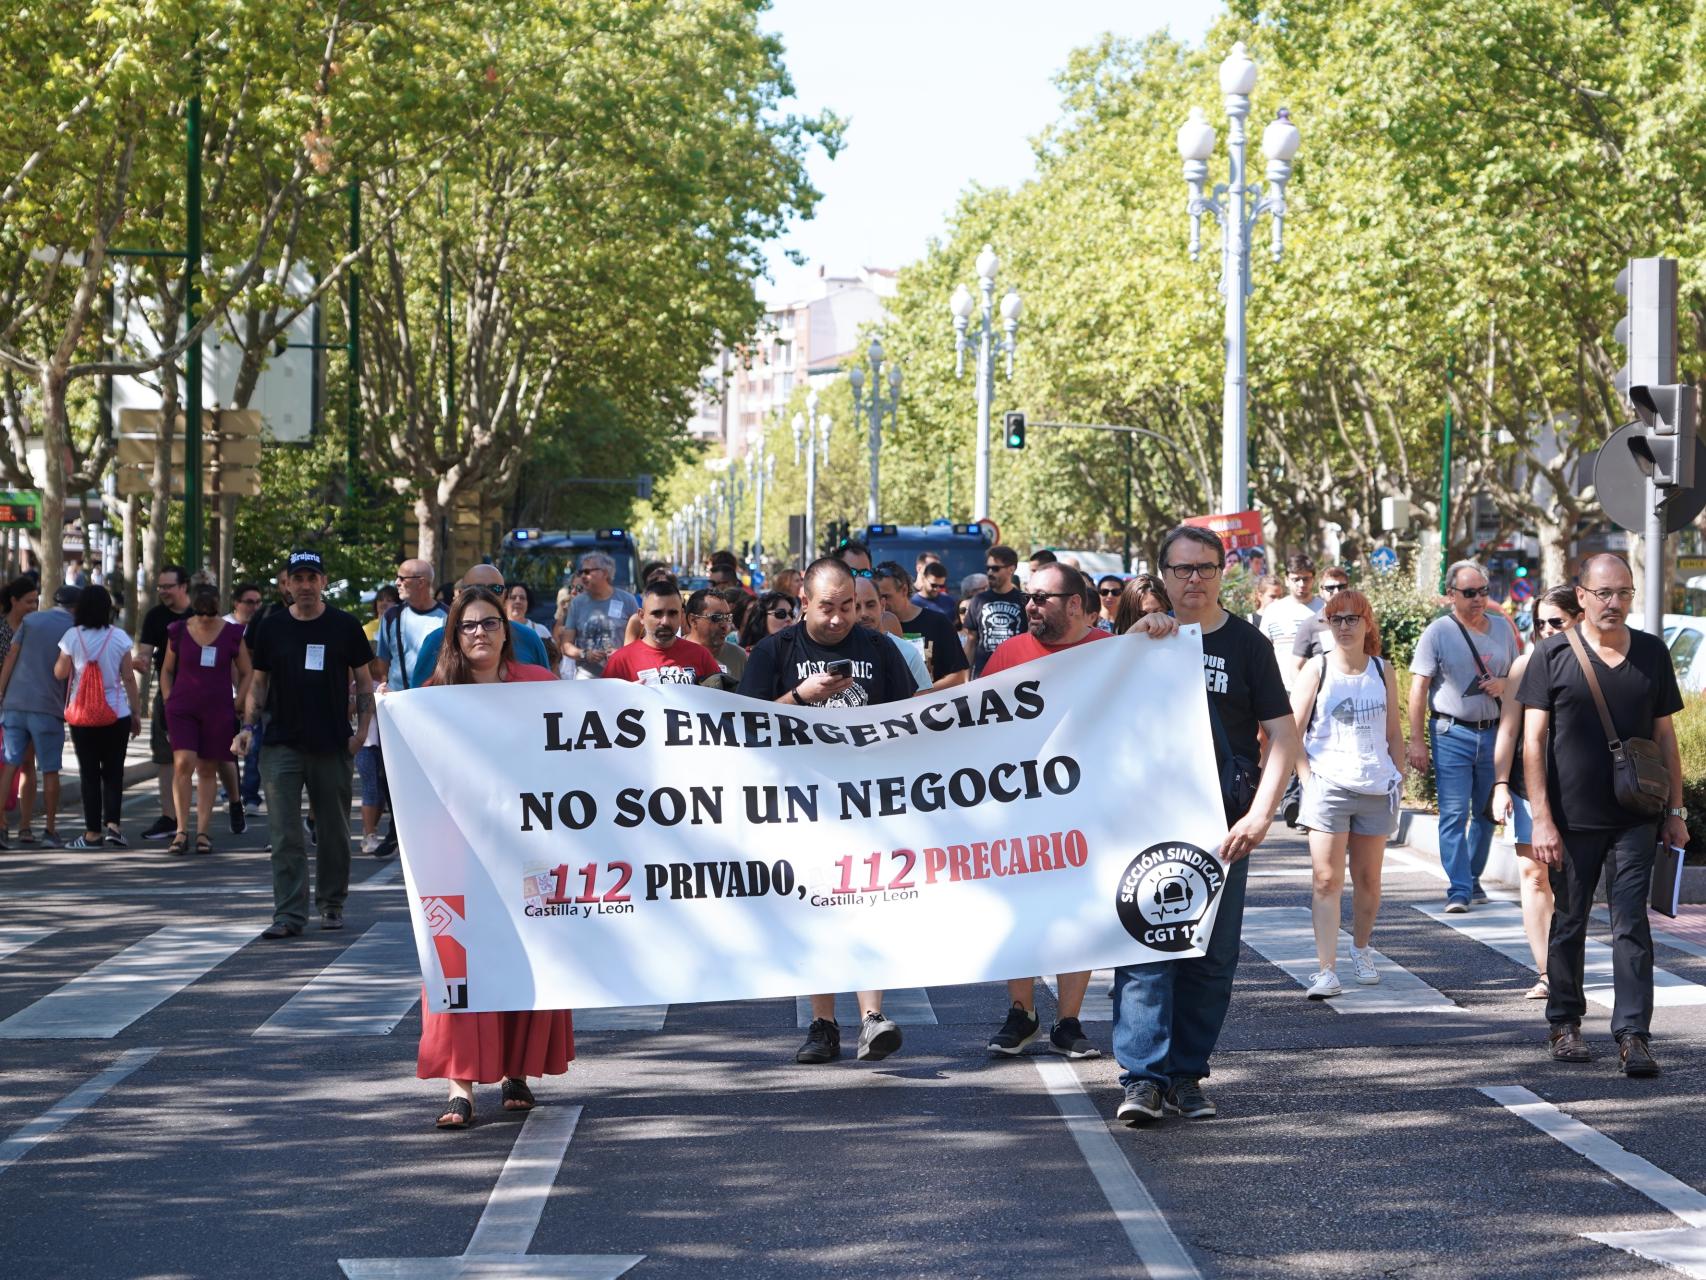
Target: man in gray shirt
598, 616
32, 706
1457, 682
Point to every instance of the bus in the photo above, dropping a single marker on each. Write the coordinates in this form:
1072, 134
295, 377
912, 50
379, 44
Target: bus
545, 560
960, 547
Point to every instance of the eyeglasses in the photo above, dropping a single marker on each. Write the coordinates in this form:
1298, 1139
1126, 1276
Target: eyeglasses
1041, 598
167, 586
1559, 623
997, 568
716, 619
1475, 593
253, 602
411, 577
1331, 587
1344, 619
475, 626
1185, 572
860, 573
1605, 595
1110, 591
782, 615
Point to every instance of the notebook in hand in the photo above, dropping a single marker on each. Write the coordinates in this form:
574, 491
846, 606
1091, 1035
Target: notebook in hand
1667, 879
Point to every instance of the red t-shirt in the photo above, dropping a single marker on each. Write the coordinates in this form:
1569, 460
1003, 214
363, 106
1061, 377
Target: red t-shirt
1025, 647
519, 673
682, 663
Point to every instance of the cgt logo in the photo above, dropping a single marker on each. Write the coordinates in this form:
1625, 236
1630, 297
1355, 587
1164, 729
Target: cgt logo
1165, 892
444, 918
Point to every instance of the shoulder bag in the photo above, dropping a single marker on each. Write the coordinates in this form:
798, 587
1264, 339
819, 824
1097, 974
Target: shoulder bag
1639, 777
1480, 666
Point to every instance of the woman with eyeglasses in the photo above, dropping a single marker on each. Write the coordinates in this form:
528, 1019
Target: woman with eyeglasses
483, 1048
1554, 612
1143, 595
1346, 704
1108, 588
776, 611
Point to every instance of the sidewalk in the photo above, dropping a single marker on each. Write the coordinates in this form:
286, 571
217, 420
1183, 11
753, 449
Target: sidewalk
137, 768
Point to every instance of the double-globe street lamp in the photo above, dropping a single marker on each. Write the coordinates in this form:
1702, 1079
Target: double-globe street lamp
962, 305
874, 408
806, 428
1196, 144
761, 472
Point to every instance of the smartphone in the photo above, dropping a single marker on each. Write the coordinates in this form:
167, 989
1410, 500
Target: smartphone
842, 668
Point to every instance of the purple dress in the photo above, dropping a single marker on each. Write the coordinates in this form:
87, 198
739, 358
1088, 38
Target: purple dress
201, 714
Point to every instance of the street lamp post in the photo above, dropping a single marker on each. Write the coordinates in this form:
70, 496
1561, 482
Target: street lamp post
806, 429
962, 305
1196, 144
874, 411
761, 466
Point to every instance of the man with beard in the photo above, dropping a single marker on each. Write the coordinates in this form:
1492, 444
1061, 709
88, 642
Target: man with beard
827, 660
661, 655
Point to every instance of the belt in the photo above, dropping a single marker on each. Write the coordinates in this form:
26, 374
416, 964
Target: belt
1477, 725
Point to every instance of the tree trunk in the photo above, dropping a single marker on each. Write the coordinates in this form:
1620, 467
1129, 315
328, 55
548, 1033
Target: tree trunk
131, 539
427, 515
55, 430
160, 487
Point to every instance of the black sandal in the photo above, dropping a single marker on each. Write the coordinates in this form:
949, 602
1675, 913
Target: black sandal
180, 845
458, 1114
517, 1096
203, 843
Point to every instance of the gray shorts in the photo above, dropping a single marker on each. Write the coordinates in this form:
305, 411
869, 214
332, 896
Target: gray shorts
1329, 807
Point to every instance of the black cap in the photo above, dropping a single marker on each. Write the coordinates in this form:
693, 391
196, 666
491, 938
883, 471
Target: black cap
309, 560
68, 596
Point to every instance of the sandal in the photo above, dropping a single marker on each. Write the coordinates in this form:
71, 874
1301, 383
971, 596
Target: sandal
517, 1096
203, 843
1541, 990
26, 836
458, 1114
180, 845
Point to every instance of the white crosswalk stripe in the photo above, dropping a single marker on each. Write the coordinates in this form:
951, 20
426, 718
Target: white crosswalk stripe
905, 1005
637, 1017
122, 988
15, 938
1097, 1007
1285, 937
366, 991
1499, 925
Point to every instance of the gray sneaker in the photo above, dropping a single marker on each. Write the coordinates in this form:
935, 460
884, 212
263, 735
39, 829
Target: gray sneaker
1142, 1103
1187, 1099
51, 840
878, 1037
1067, 1038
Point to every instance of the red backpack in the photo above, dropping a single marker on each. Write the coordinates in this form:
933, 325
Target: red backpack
87, 708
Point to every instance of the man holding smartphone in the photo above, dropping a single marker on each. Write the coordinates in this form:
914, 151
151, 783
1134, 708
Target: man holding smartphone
828, 660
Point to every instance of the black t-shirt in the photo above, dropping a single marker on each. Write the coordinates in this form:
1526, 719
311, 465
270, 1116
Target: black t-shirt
994, 618
154, 624
1243, 677
1638, 690
943, 654
780, 662
308, 675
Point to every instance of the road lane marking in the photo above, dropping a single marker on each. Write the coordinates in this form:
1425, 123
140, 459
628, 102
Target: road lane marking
366, 991
382, 878
905, 1005
16, 938
1499, 926
638, 1017
1285, 937
1152, 1239
1683, 1249
1661, 936
510, 1219
68, 1108
122, 988
1096, 995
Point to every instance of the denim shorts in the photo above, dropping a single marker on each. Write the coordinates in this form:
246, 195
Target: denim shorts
371, 766
1522, 821
1331, 808
46, 731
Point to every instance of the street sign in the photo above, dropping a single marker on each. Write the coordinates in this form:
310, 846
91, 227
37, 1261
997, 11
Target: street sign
1621, 484
1384, 559
20, 510
138, 451
1522, 591
240, 481
1684, 564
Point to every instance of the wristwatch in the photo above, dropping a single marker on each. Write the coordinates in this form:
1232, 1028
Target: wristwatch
1679, 813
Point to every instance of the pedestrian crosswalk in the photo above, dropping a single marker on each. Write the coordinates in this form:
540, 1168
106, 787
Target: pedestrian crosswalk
366, 991
17, 937
1285, 938
909, 1006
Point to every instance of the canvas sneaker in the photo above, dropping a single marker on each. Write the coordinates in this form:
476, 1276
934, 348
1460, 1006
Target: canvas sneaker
1323, 985
1362, 964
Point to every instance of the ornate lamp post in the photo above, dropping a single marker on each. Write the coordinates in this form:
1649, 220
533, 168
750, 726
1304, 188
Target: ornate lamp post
874, 409
962, 305
806, 430
1237, 224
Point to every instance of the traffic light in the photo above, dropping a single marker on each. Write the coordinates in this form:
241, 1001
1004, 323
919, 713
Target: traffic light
1664, 407
1015, 423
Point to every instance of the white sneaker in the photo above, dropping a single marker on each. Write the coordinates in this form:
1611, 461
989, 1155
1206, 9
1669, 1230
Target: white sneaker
1362, 963
371, 842
1324, 985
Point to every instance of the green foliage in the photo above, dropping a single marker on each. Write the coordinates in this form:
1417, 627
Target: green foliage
1404, 613
1690, 725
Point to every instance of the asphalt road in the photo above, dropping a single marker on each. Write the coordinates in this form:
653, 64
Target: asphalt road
181, 1099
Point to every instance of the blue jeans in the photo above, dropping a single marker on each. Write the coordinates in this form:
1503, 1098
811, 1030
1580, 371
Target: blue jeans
1168, 1015
1463, 773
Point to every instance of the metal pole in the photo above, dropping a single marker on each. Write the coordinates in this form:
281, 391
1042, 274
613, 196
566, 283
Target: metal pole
1445, 476
1125, 564
192, 357
758, 508
811, 486
950, 509
1653, 568
985, 393
876, 440
352, 389
1234, 472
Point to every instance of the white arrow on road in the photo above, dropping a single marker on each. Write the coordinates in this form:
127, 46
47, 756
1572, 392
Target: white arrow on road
505, 1230
1680, 1248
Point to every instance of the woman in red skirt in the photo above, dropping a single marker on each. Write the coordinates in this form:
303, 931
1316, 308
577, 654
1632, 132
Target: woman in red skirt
483, 1048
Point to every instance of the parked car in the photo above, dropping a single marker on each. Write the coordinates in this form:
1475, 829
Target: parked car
1686, 637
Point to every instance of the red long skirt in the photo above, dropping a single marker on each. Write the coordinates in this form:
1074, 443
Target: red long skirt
487, 1047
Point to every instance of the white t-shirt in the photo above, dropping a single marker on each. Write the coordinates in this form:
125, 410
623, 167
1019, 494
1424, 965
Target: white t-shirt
1280, 621
84, 646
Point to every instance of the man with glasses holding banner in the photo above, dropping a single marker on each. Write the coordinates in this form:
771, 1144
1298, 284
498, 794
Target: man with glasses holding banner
1458, 685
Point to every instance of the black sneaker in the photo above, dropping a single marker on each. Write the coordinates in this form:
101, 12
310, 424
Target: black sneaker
163, 828
1067, 1038
1142, 1102
239, 819
331, 918
116, 839
1187, 1099
878, 1037
823, 1043
1019, 1030
280, 929
1478, 895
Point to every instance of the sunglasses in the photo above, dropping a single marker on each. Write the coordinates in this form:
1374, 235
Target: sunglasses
1344, 619
717, 619
1472, 593
1331, 587
782, 615
1110, 591
997, 568
1041, 598
860, 573
1560, 623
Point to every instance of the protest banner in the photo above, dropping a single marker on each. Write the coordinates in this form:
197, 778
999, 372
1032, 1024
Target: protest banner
596, 843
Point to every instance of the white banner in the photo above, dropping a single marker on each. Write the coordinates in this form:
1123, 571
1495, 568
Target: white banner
584, 844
